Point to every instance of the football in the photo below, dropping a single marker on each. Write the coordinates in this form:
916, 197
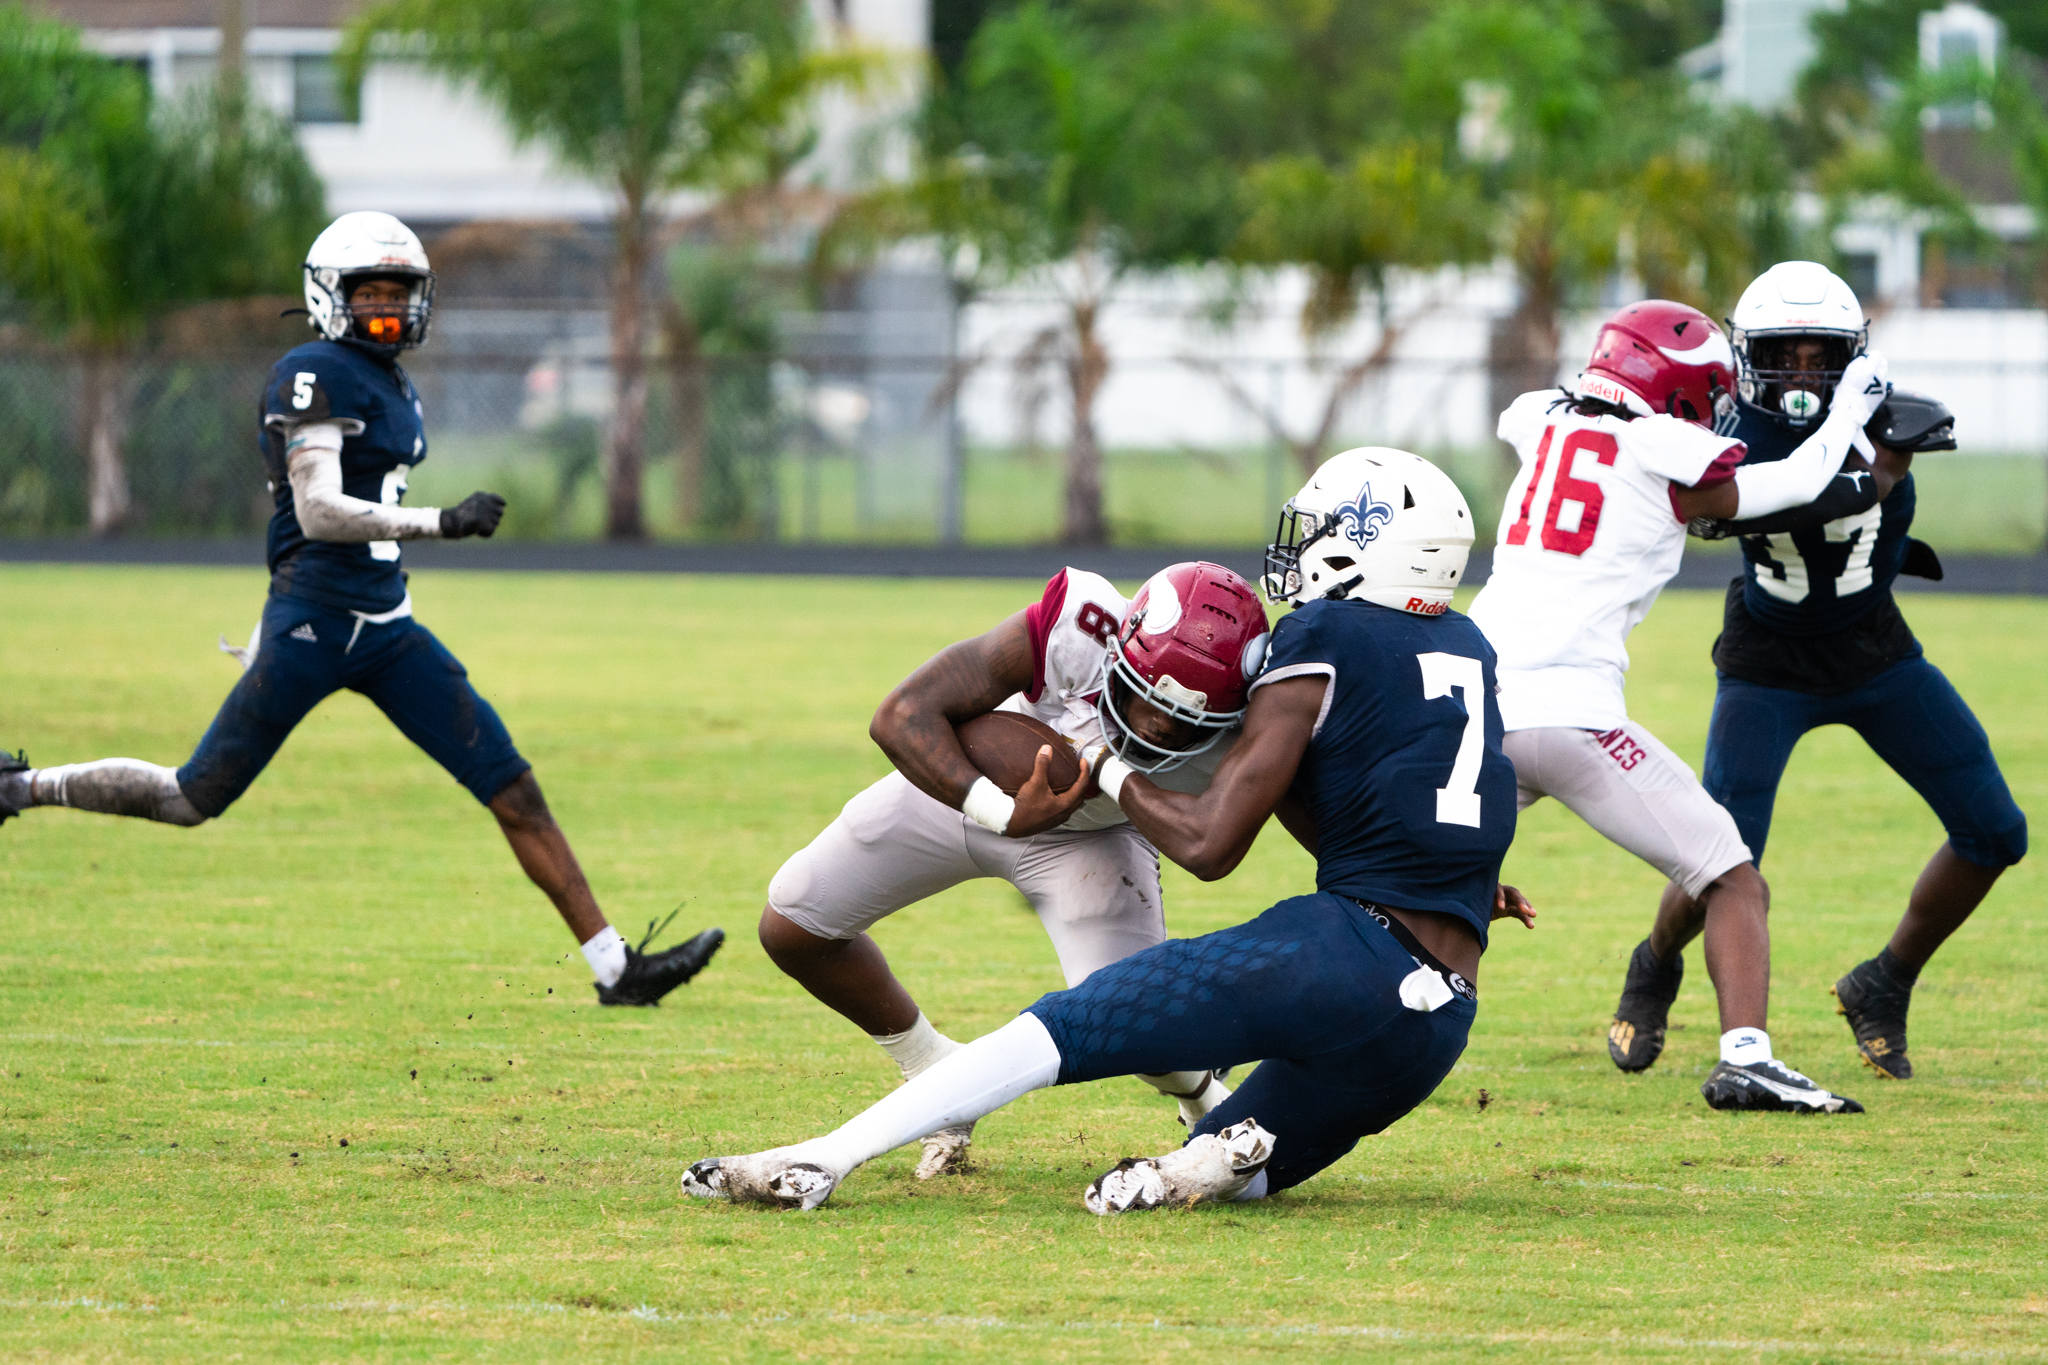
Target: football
1005, 744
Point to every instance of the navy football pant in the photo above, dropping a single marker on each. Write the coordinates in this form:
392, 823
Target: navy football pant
399, 665
1914, 720
1312, 986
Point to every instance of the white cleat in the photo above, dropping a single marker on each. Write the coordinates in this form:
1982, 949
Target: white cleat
1213, 1167
945, 1152
764, 1178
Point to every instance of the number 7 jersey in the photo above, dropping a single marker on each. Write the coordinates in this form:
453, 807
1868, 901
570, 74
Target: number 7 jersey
1589, 536
1413, 800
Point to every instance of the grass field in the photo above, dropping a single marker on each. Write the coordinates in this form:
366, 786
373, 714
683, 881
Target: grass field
325, 1080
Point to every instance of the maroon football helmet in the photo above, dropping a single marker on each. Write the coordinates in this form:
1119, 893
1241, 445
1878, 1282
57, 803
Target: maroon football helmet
1190, 644
1658, 356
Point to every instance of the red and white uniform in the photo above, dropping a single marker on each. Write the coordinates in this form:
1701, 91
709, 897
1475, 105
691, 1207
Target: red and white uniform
1094, 881
1589, 536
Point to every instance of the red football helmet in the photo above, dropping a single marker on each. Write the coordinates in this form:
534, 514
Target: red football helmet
1658, 356
1190, 644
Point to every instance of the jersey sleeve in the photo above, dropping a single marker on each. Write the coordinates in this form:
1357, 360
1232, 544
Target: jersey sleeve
1070, 627
307, 388
1299, 651
1523, 421
1684, 452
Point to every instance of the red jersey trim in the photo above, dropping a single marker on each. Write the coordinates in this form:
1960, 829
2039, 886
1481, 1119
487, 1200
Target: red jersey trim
1719, 472
1039, 619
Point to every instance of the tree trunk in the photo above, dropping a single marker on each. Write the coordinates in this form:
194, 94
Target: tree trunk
625, 447
1086, 370
1523, 346
691, 394
106, 430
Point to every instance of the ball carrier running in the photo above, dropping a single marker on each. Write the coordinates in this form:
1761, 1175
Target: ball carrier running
1161, 679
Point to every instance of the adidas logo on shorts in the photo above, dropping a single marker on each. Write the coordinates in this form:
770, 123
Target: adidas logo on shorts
305, 632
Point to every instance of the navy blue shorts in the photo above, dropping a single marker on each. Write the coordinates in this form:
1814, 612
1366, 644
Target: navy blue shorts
1910, 715
1310, 990
310, 652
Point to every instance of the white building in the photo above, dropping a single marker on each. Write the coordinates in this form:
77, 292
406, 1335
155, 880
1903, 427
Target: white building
417, 146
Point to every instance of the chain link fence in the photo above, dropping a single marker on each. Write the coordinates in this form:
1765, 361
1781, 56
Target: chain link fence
826, 446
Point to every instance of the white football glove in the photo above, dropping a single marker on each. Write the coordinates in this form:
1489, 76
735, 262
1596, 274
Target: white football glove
1864, 386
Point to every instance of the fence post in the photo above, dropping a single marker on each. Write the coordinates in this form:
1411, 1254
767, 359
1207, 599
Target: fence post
1276, 449
952, 488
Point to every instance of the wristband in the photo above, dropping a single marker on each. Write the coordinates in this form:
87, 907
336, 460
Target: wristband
986, 806
1110, 777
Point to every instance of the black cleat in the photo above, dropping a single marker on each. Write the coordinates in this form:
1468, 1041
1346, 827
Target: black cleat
13, 787
1771, 1086
1636, 1037
1874, 1003
650, 976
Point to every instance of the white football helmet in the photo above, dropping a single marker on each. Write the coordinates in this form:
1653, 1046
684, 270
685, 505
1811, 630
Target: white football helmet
1372, 525
1790, 301
357, 245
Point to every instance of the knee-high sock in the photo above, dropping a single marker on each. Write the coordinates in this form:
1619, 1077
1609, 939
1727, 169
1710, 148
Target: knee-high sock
115, 786
981, 1077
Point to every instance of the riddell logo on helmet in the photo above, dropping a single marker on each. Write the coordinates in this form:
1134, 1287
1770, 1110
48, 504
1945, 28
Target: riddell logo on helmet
1422, 608
1606, 390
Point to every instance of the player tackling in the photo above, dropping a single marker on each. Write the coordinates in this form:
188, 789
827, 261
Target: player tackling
1162, 678
1373, 734
1612, 470
341, 429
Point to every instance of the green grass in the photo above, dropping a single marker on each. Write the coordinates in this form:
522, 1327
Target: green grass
195, 1021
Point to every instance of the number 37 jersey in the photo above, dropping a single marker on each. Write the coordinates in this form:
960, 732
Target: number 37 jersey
1412, 798
1589, 536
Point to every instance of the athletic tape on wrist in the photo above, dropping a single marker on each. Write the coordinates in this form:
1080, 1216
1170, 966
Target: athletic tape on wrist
986, 806
1111, 777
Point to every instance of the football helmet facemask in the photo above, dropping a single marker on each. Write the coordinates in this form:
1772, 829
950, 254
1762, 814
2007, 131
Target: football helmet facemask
1372, 525
1795, 302
1661, 357
366, 246
1189, 646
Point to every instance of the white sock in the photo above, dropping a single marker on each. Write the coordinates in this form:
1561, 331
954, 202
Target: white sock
982, 1076
1207, 1092
1255, 1190
917, 1048
606, 954
1745, 1046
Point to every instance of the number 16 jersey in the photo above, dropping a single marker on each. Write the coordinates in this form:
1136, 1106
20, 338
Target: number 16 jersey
1589, 536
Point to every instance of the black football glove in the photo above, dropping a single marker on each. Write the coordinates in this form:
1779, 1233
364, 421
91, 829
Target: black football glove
476, 515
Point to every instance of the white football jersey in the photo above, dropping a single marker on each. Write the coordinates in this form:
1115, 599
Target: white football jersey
1589, 536
1071, 627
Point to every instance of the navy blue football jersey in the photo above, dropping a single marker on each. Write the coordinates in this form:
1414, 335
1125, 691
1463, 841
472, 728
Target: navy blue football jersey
1413, 800
1823, 578
384, 437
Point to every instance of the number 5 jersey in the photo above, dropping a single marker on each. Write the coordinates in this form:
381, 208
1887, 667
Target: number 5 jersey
1589, 536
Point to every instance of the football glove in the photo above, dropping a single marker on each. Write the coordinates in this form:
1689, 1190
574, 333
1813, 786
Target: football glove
476, 515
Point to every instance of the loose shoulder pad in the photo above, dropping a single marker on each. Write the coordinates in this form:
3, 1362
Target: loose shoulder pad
1912, 421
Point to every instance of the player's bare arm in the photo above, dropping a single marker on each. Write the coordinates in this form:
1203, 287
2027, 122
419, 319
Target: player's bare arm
914, 724
1209, 834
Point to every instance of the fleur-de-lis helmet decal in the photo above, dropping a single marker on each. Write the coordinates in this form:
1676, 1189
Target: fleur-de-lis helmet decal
1362, 518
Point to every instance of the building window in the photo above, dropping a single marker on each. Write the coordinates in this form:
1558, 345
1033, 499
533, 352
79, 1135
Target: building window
1859, 272
317, 95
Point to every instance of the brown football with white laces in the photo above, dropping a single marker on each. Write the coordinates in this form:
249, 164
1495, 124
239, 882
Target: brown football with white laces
1005, 745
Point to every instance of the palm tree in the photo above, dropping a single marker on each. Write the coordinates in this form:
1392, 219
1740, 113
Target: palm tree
112, 214
649, 97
